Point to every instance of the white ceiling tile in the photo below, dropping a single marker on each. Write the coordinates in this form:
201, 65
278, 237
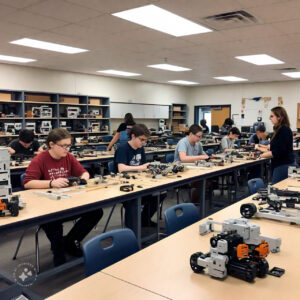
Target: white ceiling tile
62, 10
111, 6
5, 10
18, 30
287, 10
109, 24
19, 3
288, 27
33, 20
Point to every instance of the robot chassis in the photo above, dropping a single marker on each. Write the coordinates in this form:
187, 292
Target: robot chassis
238, 250
276, 200
158, 170
9, 204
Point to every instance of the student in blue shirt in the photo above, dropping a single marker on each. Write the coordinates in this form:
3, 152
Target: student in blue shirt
260, 137
131, 157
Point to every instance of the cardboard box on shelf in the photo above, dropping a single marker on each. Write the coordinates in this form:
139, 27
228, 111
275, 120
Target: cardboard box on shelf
5, 97
95, 101
69, 100
176, 108
38, 98
183, 127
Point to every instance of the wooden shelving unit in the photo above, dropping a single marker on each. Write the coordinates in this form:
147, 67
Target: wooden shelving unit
178, 115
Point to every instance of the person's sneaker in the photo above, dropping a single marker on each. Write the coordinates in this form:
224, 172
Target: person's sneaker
73, 248
59, 260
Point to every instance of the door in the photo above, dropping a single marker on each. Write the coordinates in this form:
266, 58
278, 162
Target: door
219, 115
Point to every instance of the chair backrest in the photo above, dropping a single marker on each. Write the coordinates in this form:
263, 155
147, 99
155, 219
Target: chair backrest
22, 177
179, 216
210, 151
170, 142
169, 157
107, 138
111, 167
101, 148
255, 184
96, 257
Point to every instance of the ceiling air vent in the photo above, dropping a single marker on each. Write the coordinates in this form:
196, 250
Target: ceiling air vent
230, 20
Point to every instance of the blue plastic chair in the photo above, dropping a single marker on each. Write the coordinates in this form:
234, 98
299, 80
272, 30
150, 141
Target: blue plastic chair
180, 216
255, 184
107, 138
170, 142
210, 151
111, 167
22, 177
101, 148
169, 158
96, 258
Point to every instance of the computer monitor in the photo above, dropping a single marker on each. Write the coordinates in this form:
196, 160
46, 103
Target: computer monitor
246, 129
215, 128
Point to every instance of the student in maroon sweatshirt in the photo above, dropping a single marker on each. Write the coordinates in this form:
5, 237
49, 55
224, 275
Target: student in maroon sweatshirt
51, 169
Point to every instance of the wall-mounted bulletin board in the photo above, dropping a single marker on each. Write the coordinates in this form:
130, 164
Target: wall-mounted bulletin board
252, 108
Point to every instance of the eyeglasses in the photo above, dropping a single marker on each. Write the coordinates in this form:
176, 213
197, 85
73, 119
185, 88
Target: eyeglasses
198, 136
66, 147
142, 140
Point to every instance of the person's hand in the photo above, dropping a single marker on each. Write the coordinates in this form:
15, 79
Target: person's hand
60, 183
204, 156
144, 167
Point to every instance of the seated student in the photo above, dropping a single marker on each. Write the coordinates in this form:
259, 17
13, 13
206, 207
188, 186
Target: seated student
260, 137
25, 144
227, 143
205, 128
189, 148
131, 157
228, 123
51, 169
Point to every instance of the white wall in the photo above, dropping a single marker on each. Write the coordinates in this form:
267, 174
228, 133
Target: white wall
118, 90
233, 94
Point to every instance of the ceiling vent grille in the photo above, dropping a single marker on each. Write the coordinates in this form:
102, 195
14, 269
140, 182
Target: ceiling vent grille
230, 20
286, 69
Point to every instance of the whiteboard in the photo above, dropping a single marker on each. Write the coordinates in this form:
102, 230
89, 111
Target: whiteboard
253, 109
139, 111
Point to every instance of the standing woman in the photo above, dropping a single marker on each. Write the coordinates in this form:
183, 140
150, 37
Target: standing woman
123, 131
281, 146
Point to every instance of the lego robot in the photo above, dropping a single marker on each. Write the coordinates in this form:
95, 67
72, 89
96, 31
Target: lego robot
9, 204
238, 250
158, 170
276, 200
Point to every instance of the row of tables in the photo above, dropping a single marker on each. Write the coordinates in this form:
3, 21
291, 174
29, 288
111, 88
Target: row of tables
162, 270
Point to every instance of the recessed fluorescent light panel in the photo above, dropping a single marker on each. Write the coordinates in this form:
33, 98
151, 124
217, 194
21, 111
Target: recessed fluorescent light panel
292, 74
48, 46
16, 59
183, 82
169, 67
117, 72
231, 78
162, 20
260, 59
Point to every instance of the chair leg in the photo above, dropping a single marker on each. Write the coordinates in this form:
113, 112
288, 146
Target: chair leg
122, 217
177, 195
19, 245
37, 250
109, 217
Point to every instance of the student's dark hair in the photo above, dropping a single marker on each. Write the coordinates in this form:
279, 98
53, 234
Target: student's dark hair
57, 135
228, 122
26, 136
234, 130
283, 119
129, 119
261, 128
203, 123
195, 128
139, 130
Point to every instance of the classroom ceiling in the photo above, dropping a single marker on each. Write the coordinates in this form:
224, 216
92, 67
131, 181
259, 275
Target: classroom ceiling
114, 43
